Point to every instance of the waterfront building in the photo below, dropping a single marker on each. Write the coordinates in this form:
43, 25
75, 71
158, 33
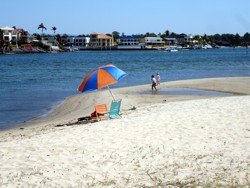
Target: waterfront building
14, 34
154, 42
99, 40
128, 40
7, 33
50, 40
174, 39
78, 41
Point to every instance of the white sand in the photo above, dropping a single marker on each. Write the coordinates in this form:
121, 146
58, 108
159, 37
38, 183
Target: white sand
193, 142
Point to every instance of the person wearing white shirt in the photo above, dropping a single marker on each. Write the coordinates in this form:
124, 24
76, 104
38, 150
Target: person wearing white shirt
153, 80
158, 79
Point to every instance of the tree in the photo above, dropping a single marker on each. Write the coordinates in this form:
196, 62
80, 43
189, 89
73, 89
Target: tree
1, 35
150, 35
236, 40
167, 33
38, 37
53, 29
42, 27
246, 38
116, 34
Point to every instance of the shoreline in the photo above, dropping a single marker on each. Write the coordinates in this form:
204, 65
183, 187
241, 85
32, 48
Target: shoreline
73, 107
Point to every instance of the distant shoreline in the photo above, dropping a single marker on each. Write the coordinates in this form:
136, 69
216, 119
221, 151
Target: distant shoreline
116, 49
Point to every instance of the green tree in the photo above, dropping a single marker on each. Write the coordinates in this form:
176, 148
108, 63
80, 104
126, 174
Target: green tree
246, 38
54, 29
150, 35
38, 37
116, 36
236, 40
167, 33
42, 27
1, 35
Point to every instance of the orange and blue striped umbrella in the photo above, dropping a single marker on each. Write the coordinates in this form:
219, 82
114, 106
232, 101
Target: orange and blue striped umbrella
102, 77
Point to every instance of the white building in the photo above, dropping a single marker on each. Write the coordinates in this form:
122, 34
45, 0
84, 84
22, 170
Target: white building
154, 42
78, 41
8, 33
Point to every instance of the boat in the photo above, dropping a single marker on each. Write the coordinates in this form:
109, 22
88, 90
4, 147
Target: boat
173, 50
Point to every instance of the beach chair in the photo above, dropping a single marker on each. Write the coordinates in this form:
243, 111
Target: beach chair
100, 111
115, 109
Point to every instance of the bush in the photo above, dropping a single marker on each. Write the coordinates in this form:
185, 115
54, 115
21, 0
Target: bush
41, 45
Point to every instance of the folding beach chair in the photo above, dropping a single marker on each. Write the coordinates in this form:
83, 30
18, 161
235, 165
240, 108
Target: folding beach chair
100, 111
99, 114
115, 109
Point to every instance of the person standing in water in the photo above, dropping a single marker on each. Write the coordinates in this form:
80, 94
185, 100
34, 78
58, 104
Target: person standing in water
153, 80
158, 78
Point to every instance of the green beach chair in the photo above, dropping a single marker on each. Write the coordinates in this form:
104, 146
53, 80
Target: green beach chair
115, 109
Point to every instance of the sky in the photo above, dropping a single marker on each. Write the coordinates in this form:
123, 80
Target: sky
76, 17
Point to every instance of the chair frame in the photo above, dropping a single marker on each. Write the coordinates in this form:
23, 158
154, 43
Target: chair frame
100, 111
118, 114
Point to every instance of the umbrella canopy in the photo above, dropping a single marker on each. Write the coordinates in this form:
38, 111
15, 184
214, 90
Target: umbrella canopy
102, 77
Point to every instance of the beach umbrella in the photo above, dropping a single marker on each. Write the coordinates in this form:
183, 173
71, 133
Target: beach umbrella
101, 77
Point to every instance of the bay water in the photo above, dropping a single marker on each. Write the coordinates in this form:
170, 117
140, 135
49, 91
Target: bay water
32, 84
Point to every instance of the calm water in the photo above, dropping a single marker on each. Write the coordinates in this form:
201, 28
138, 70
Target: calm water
31, 84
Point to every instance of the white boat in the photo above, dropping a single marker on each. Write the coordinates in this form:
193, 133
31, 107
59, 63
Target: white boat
173, 50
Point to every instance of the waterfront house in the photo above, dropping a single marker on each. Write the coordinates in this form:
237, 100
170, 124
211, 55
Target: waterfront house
50, 40
13, 34
154, 42
129, 42
19, 34
174, 39
78, 42
8, 33
99, 40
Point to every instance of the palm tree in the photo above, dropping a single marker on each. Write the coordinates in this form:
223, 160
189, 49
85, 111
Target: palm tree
42, 27
53, 29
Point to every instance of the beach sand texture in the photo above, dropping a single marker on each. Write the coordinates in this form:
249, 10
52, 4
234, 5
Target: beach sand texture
166, 141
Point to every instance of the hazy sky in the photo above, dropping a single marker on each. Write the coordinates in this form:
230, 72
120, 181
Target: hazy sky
128, 16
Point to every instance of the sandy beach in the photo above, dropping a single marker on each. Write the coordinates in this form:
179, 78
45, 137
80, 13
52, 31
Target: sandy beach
160, 140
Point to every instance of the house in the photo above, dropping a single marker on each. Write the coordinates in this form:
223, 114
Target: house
20, 34
7, 33
190, 38
128, 40
49, 40
14, 34
174, 38
99, 40
153, 42
78, 42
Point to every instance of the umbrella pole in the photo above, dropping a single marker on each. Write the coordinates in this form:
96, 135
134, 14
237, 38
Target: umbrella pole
111, 93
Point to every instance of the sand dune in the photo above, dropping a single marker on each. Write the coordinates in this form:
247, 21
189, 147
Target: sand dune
182, 141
